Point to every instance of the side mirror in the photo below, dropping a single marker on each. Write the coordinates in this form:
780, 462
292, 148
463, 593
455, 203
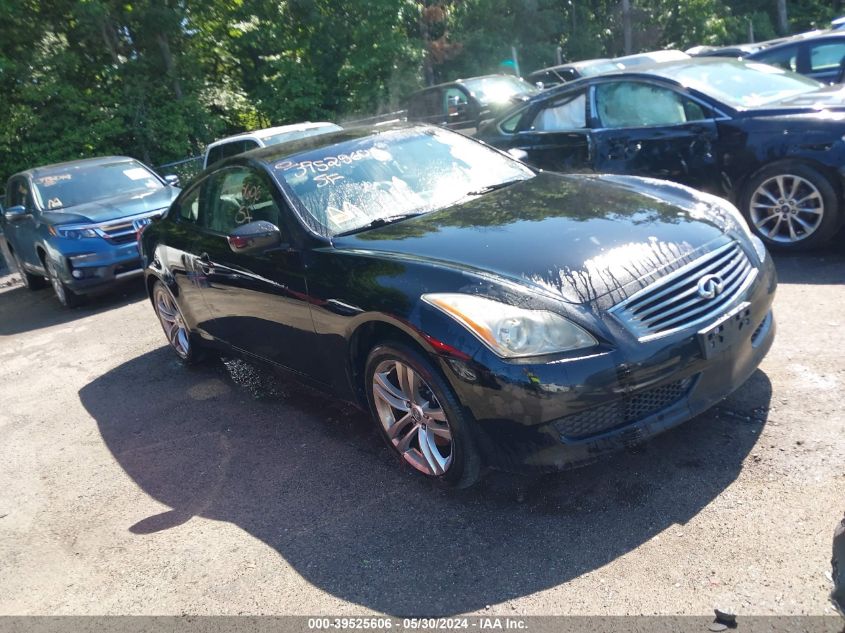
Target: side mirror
518, 154
255, 237
172, 180
15, 213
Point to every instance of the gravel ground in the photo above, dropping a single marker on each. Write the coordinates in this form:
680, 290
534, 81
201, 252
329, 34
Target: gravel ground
131, 485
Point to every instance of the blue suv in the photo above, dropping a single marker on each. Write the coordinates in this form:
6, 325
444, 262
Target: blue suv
75, 225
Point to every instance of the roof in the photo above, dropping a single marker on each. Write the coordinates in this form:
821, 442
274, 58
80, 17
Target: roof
460, 81
577, 65
270, 131
44, 170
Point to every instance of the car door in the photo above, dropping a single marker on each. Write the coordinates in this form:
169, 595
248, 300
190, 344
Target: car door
259, 301
181, 253
644, 129
555, 136
22, 233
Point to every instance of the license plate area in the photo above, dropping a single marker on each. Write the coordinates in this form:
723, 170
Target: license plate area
725, 332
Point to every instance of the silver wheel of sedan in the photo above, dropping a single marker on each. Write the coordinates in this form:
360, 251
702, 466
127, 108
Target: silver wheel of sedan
172, 322
412, 418
787, 208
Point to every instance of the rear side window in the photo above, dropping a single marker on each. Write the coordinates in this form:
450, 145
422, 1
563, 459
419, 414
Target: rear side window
219, 152
827, 56
785, 58
425, 104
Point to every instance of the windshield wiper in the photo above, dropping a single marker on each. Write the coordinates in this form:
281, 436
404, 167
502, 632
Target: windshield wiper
488, 188
381, 222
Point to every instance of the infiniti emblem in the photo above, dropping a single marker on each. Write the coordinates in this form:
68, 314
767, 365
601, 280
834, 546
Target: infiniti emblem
710, 286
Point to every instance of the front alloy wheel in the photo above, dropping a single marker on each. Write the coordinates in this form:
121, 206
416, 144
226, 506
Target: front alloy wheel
172, 321
419, 415
412, 418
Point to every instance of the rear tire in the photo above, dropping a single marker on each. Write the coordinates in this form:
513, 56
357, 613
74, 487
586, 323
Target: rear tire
420, 417
67, 297
791, 207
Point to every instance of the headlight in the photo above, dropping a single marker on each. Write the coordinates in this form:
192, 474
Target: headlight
73, 233
742, 225
739, 221
512, 332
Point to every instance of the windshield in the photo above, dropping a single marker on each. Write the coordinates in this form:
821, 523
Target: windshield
742, 84
295, 135
499, 89
73, 185
348, 186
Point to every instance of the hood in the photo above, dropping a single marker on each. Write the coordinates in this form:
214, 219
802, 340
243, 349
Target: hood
578, 238
114, 208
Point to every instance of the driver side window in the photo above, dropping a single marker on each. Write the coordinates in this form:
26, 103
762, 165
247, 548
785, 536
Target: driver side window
632, 104
238, 195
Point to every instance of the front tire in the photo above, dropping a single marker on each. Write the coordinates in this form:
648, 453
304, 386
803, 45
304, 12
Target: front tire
67, 297
420, 417
173, 323
791, 207
30, 281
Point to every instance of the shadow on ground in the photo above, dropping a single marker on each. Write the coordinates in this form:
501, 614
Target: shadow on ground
822, 266
23, 310
306, 475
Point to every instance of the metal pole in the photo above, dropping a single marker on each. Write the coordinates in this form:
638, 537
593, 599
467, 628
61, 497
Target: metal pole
515, 61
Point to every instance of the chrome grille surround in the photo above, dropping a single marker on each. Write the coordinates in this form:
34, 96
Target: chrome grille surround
674, 302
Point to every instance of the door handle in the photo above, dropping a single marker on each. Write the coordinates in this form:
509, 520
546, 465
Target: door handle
205, 264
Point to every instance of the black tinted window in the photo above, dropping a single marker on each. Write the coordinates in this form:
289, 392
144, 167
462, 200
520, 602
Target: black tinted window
236, 196
18, 193
233, 148
785, 58
425, 104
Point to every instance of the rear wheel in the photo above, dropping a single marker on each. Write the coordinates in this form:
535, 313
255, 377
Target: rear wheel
67, 297
32, 282
791, 206
420, 416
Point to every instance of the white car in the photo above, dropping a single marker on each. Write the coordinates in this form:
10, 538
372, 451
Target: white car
647, 59
231, 145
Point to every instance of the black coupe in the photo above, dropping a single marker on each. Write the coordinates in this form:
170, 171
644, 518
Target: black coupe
486, 314
767, 139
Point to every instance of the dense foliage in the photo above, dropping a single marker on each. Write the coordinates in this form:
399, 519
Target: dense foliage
158, 79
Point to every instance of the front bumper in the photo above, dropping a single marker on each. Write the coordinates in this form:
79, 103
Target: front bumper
570, 412
92, 270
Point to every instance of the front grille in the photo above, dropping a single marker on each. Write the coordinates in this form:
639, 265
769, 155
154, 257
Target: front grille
620, 413
119, 232
676, 301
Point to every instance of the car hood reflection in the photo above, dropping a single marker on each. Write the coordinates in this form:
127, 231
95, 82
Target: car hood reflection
577, 237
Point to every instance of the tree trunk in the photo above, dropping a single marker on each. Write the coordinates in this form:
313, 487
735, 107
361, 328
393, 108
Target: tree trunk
626, 25
169, 64
783, 20
428, 66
